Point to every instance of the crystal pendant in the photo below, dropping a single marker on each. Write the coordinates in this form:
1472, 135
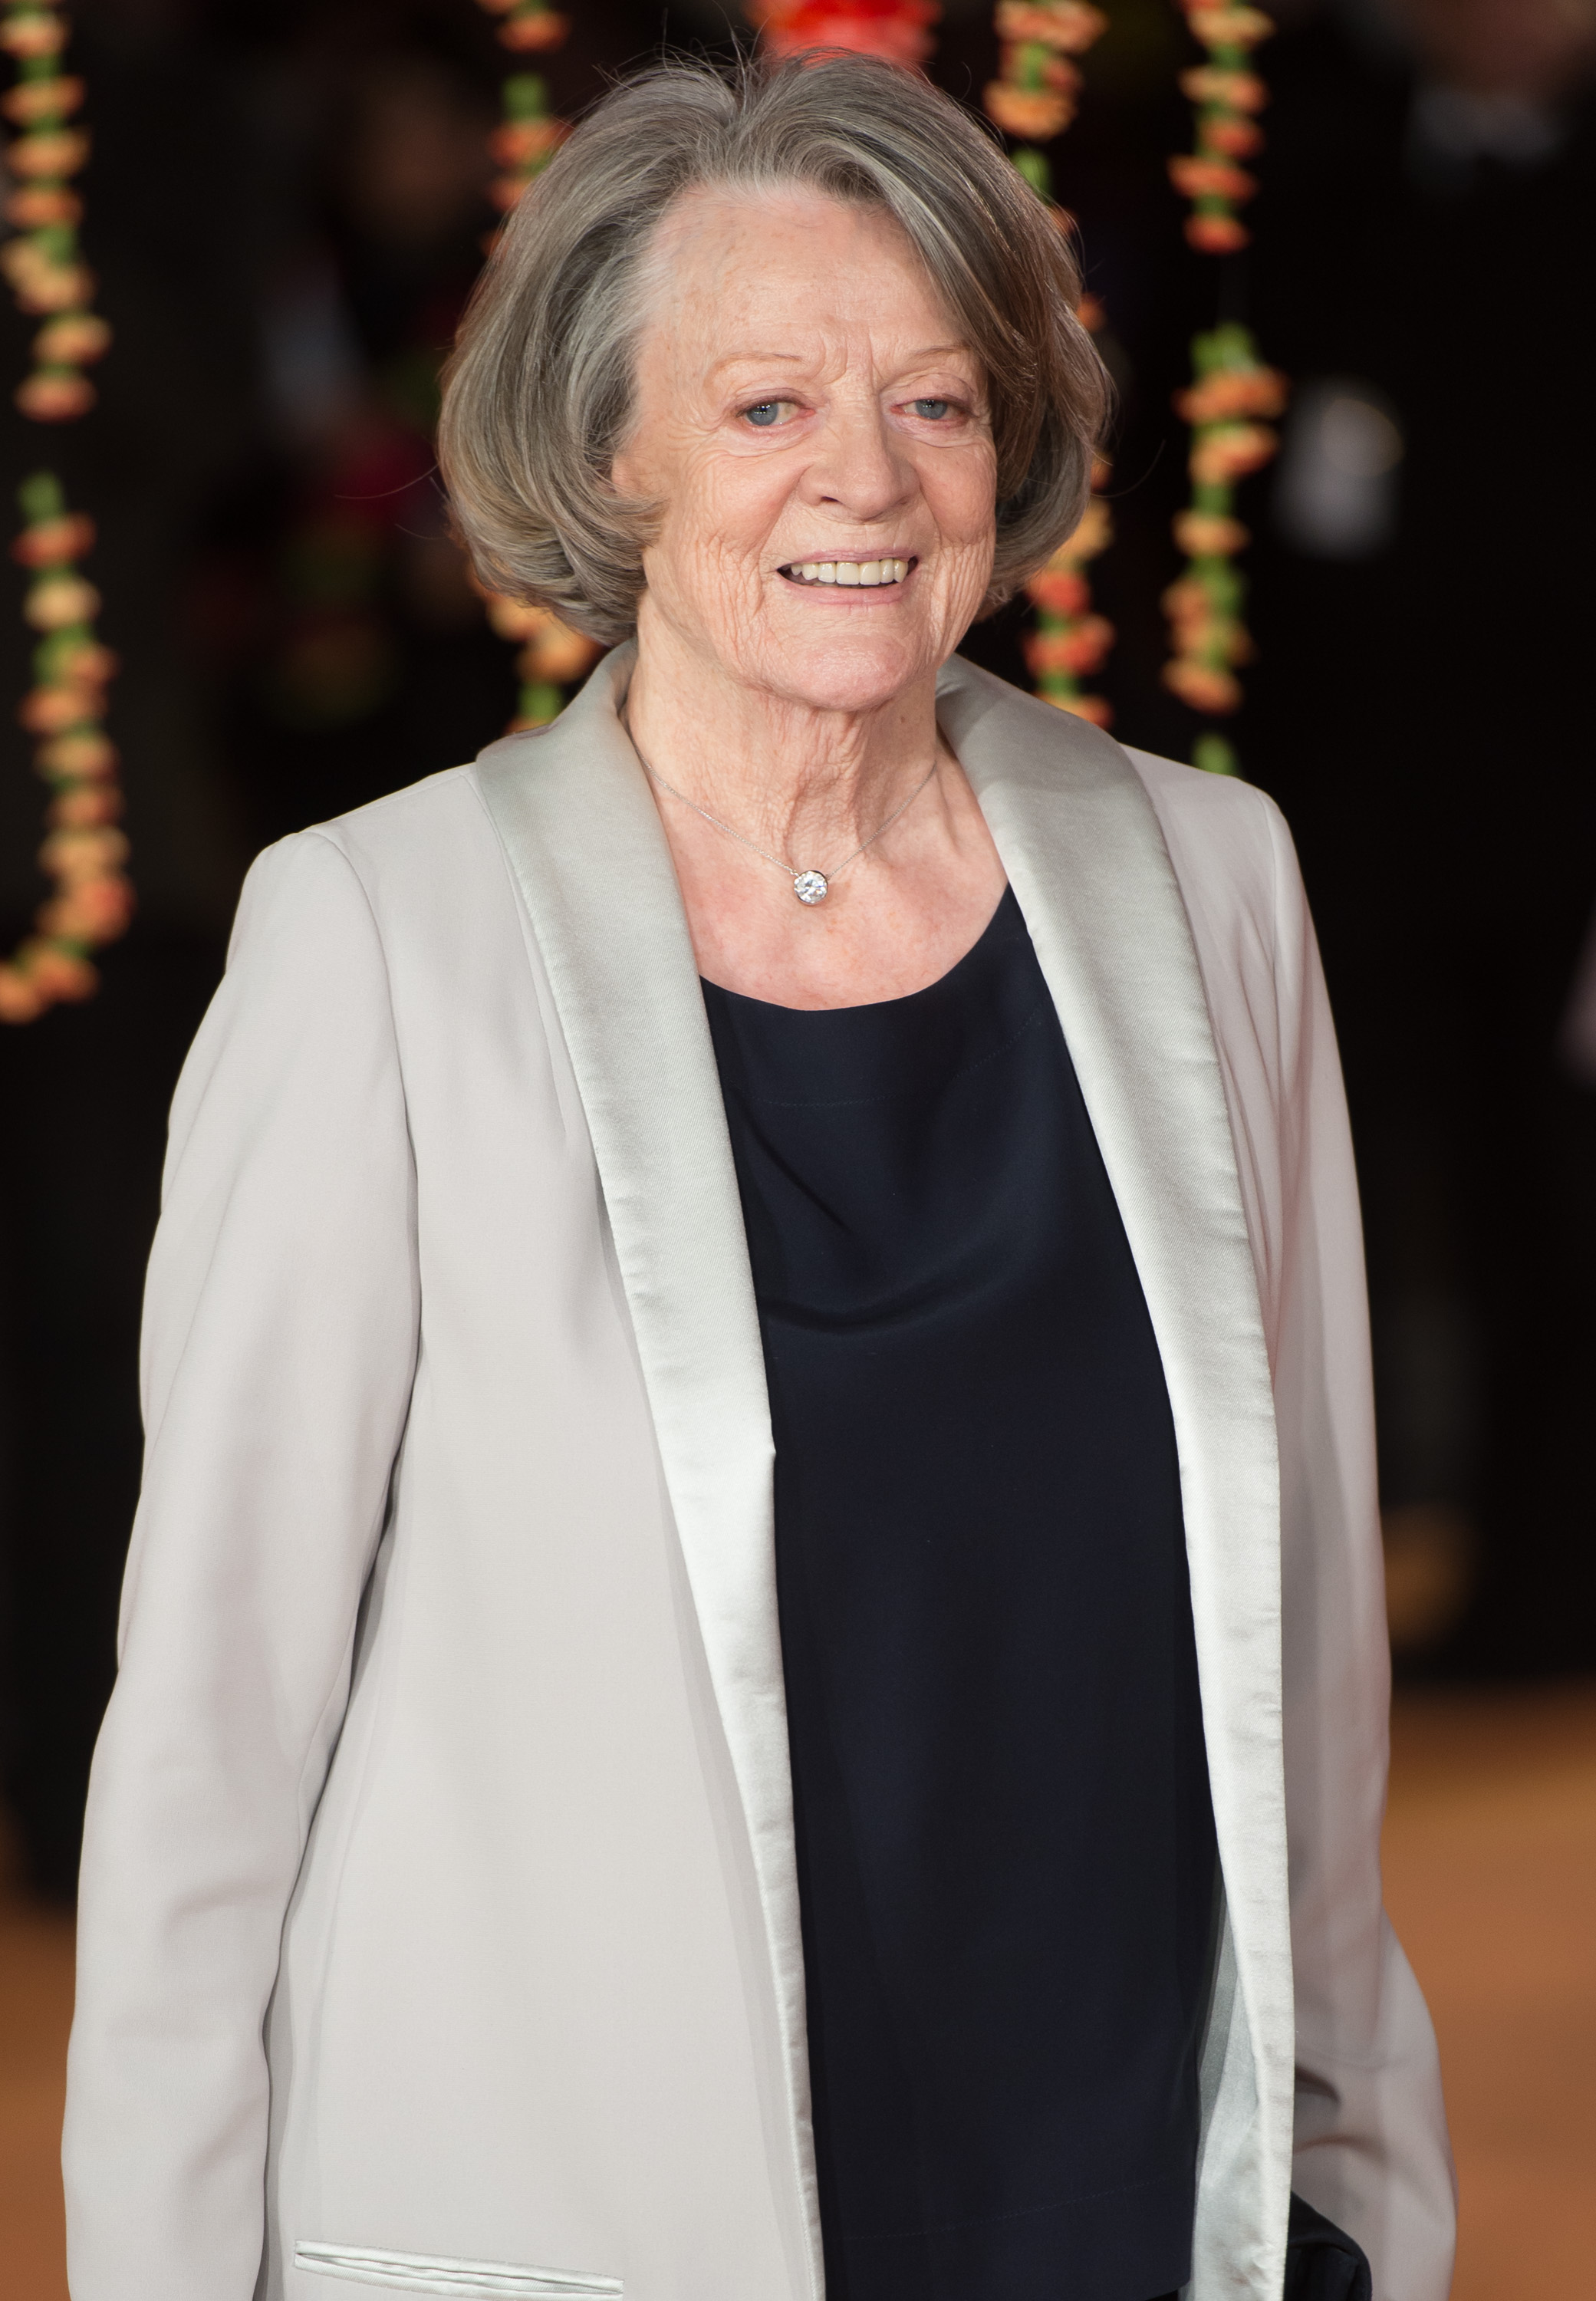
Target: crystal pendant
810, 887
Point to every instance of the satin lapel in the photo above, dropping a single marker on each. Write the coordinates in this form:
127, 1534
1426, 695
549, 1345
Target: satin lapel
585, 846
1087, 863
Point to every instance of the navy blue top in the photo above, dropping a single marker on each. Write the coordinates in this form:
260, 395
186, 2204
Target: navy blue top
1005, 1840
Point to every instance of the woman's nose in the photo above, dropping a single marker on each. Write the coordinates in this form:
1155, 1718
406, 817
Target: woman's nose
860, 469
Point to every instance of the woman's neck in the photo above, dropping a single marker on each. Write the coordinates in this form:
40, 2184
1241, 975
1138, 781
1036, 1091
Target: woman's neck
810, 787
803, 783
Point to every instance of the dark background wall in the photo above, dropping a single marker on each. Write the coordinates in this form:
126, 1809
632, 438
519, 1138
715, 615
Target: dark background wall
286, 207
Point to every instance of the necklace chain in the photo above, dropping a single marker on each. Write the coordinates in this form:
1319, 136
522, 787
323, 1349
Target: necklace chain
808, 886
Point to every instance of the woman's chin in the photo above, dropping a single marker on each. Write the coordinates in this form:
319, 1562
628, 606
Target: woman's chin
846, 671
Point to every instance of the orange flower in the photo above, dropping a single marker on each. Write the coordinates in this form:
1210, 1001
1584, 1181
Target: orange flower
556, 653
1094, 534
48, 542
21, 998
519, 142
94, 910
48, 152
1230, 391
1242, 91
1096, 708
1080, 650
87, 661
1203, 179
1228, 451
90, 803
33, 100
32, 206
1184, 599
1065, 24
1060, 591
84, 757
57, 973
40, 282
1217, 235
1209, 535
72, 340
1037, 113
77, 853
1204, 686
514, 619
54, 601
528, 35
30, 36
1230, 27
1236, 138
54, 394
51, 710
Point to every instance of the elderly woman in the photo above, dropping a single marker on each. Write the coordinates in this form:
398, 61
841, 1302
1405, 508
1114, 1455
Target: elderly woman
753, 1661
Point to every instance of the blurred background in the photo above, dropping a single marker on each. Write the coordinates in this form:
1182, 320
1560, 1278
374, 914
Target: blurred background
286, 209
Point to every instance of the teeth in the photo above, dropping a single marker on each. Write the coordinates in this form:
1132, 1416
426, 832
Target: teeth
847, 571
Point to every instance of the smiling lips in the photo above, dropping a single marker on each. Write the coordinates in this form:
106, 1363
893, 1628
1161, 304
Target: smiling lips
863, 572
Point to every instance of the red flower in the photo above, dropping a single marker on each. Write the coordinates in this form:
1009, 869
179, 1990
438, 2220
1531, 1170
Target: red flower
892, 29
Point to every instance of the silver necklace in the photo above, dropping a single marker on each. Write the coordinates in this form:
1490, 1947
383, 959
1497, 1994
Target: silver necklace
808, 886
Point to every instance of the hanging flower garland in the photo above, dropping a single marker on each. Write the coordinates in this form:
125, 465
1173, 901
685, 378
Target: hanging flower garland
1036, 91
1233, 396
552, 656
84, 852
43, 263
1036, 96
1226, 95
1232, 391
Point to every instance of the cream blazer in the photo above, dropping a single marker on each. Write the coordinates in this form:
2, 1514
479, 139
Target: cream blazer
440, 1921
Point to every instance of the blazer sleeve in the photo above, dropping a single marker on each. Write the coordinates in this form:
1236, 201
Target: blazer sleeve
1371, 2147
278, 1346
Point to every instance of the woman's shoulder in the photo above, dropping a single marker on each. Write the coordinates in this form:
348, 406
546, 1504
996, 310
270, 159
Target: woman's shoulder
1227, 840
411, 893
428, 847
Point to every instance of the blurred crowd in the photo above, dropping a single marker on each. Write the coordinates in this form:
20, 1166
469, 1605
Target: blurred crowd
286, 207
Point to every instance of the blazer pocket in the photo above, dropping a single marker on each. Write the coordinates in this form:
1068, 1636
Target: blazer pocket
426, 2272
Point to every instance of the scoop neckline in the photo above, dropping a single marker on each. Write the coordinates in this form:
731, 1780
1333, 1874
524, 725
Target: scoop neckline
878, 1005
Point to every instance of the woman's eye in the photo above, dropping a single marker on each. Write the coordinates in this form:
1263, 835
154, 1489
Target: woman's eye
765, 413
933, 410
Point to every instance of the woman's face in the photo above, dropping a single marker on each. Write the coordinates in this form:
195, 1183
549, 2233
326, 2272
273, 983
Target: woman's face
818, 437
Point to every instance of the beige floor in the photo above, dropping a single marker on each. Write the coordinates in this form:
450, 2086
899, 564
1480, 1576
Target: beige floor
1491, 1880
1491, 1875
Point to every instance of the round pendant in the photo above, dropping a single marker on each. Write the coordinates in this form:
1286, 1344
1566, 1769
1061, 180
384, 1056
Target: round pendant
810, 887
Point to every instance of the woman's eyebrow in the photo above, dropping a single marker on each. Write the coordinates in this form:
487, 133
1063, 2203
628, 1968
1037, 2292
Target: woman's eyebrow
917, 358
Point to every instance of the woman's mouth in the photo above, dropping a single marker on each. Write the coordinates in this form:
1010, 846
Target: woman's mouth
864, 574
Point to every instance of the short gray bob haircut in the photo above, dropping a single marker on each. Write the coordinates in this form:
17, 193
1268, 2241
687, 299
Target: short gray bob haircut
538, 395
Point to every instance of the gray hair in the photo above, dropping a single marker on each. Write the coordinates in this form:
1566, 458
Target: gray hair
538, 395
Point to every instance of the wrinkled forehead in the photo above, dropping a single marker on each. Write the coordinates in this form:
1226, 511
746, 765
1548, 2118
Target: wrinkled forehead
785, 271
